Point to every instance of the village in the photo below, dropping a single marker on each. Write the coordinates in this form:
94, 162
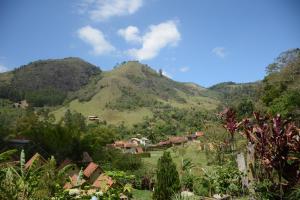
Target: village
86, 177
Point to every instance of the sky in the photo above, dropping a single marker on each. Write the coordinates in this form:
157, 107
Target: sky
200, 41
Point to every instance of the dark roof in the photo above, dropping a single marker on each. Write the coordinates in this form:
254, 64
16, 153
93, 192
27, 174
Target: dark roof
86, 158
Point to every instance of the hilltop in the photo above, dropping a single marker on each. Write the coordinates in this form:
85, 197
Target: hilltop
46, 82
131, 91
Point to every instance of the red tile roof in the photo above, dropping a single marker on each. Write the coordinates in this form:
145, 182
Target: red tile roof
177, 140
162, 143
90, 169
73, 182
139, 150
199, 133
103, 182
37, 157
129, 145
65, 163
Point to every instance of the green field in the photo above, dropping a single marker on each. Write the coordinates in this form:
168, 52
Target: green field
190, 150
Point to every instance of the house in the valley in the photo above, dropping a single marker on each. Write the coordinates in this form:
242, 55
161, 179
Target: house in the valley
165, 143
103, 182
21, 104
74, 182
19, 143
35, 160
72, 170
177, 140
199, 134
132, 146
139, 150
92, 172
93, 118
195, 135
140, 141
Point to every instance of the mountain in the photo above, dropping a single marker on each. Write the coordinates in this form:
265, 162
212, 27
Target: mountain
46, 82
131, 91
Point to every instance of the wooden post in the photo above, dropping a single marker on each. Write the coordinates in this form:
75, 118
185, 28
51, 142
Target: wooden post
250, 168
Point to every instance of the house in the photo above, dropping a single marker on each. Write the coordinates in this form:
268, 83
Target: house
191, 137
119, 144
130, 147
92, 172
19, 143
103, 182
139, 150
178, 140
195, 135
70, 172
143, 141
21, 104
93, 118
73, 182
199, 134
136, 141
165, 143
36, 160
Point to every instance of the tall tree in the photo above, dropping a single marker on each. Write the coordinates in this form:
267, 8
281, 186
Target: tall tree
167, 178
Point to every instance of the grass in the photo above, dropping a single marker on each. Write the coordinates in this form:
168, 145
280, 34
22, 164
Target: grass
190, 151
142, 195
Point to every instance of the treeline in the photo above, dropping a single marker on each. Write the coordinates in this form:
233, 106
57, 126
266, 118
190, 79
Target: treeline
278, 93
168, 120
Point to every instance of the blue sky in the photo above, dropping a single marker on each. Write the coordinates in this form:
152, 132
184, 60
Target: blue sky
201, 41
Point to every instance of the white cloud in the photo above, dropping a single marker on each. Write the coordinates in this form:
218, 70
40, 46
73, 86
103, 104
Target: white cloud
130, 34
219, 51
96, 39
158, 37
99, 10
166, 74
184, 69
3, 68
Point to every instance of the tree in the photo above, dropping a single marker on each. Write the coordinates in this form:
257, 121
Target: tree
245, 108
160, 72
167, 178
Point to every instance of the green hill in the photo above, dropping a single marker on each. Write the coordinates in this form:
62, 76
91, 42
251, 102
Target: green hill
231, 93
131, 91
46, 82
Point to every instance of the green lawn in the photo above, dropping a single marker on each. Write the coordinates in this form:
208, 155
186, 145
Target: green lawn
190, 151
142, 194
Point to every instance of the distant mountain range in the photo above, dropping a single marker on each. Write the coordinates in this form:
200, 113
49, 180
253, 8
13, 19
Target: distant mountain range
128, 93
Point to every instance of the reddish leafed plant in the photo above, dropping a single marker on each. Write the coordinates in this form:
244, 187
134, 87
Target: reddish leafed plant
277, 142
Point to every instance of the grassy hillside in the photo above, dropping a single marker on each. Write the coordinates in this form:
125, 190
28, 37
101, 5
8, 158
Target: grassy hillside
130, 92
